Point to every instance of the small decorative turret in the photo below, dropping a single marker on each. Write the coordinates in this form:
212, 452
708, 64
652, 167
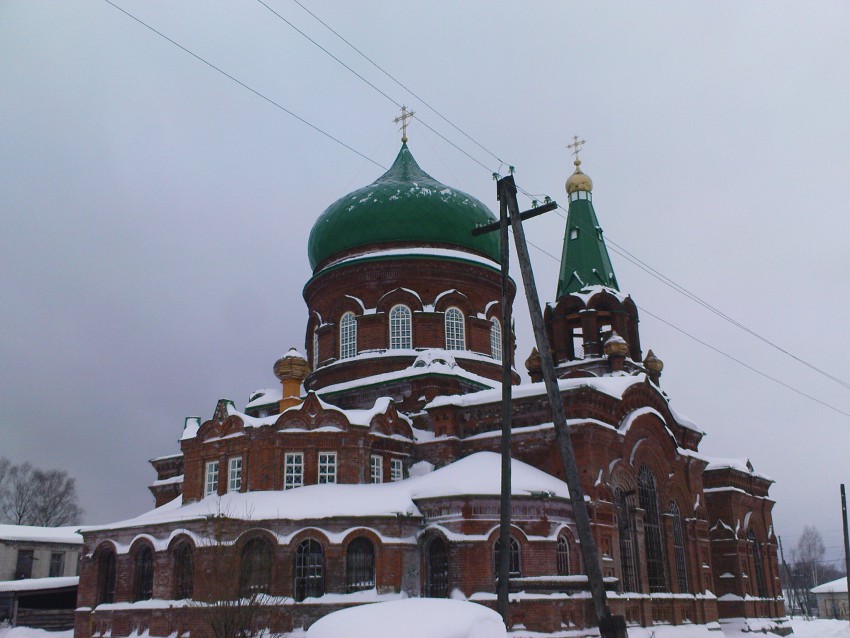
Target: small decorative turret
616, 349
653, 366
291, 369
534, 366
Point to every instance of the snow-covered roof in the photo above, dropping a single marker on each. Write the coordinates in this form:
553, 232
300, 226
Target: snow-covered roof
264, 396
36, 584
419, 618
477, 474
740, 464
612, 386
832, 587
31, 533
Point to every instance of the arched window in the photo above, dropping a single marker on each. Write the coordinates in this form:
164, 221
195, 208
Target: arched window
437, 569
315, 349
679, 548
758, 565
309, 570
347, 336
513, 562
360, 565
455, 338
563, 556
256, 570
648, 495
400, 331
106, 577
143, 574
184, 571
625, 527
496, 339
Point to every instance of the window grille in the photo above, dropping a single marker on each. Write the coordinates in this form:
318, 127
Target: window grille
679, 548
496, 339
234, 471
293, 470
376, 468
563, 556
211, 480
360, 565
437, 569
309, 570
143, 574
327, 467
758, 565
106, 577
184, 568
396, 470
315, 349
455, 339
625, 528
256, 570
513, 560
652, 530
400, 328
347, 336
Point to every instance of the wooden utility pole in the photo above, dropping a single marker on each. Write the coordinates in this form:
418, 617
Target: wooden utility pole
609, 626
846, 546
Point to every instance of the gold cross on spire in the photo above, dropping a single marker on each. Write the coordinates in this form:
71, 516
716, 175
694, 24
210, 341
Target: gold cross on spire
405, 115
576, 147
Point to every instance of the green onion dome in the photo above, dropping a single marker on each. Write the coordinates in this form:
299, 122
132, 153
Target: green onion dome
405, 205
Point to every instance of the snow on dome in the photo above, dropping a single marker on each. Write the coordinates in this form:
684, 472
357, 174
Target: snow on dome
292, 352
478, 474
420, 618
264, 396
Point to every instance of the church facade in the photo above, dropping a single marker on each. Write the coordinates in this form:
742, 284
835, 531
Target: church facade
380, 478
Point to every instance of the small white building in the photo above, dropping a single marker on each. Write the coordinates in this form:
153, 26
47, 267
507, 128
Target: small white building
39, 552
832, 599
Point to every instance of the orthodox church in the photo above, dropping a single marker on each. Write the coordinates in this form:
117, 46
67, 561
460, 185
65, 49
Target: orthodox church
371, 472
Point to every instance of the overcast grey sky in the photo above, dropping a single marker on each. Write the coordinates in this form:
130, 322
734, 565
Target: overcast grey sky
155, 214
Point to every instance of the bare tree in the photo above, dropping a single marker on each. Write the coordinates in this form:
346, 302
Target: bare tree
29, 496
809, 553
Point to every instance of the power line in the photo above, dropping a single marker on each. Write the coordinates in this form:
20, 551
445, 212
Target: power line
242, 84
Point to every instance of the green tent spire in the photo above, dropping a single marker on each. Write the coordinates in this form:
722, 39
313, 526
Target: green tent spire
584, 260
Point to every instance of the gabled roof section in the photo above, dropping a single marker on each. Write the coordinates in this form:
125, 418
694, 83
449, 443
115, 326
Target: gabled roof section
584, 259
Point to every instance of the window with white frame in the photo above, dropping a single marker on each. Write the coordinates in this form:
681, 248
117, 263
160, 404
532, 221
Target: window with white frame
347, 336
455, 339
293, 470
327, 467
211, 478
400, 331
234, 474
496, 339
376, 468
315, 348
396, 470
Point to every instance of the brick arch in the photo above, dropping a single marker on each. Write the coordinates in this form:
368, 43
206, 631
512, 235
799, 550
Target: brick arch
648, 426
576, 563
569, 305
399, 296
232, 424
247, 535
181, 536
208, 430
314, 320
357, 532
309, 533
622, 475
453, 298
140, 540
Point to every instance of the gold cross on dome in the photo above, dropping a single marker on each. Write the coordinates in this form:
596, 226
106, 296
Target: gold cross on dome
405, 115
576, 145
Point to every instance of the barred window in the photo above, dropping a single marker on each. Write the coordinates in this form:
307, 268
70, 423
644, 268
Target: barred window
625, 527
256, 570
376, 468
211, 479
400, 328
360, 565
679, 548
496, 339
437, 569
293, 470
396, 470
455, 339
106, 577
143, 574
513, 560
563, 556
758, 565
347, 336
234, 474
184, 571
327, 467
648, 495
315, 349
309, 570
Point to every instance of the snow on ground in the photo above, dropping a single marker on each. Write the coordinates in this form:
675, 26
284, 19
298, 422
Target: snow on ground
413, 626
